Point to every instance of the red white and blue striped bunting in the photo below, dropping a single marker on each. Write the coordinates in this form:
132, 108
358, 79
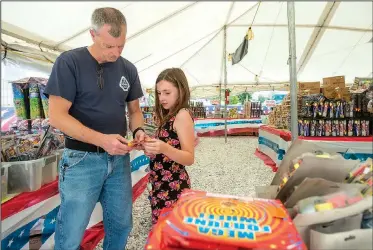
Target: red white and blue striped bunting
28, 219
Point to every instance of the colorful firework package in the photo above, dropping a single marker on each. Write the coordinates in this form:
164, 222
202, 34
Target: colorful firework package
321, 165
312, 187
36, 124
202, 220
362, 174
49, 144
19, 148
44, 100
320, 116
35, 101
334, 128
328, 202
29, 98
30, 147
19, 101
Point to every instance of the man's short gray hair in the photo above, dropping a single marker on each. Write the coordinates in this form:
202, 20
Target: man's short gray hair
110, 16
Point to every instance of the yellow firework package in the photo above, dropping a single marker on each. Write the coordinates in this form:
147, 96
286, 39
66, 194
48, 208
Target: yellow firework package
202, 220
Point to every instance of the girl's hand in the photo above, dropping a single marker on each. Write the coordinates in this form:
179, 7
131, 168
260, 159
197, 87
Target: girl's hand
140, 139
154, 146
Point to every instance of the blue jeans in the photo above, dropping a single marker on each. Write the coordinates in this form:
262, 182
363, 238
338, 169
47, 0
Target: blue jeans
84, 179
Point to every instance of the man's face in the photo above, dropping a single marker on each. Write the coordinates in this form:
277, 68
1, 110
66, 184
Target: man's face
110, 48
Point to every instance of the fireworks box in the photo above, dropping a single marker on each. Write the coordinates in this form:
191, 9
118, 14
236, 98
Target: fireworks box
202, 220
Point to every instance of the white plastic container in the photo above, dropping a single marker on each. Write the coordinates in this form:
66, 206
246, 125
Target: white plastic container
27, 176
4, 181
59, 155
49, 169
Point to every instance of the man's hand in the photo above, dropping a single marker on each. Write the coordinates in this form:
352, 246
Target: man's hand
115, 145
140, 138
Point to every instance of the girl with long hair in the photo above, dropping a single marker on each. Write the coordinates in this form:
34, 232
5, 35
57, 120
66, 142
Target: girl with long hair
173, 146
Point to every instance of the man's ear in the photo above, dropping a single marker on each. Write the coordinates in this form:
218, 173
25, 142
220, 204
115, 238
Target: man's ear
93, 33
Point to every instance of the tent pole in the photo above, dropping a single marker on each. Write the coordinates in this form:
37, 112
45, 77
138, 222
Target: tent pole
293, 71
219, 104
225, 82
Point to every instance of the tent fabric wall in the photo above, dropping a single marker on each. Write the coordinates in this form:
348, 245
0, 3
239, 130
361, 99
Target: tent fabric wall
190, 35
16, 67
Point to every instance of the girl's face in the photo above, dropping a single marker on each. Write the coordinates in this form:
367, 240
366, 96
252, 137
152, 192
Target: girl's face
167, 94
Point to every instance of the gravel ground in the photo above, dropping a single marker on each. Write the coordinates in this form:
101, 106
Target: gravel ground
230, 168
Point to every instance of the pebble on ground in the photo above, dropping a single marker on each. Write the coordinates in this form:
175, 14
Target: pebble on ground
219, 167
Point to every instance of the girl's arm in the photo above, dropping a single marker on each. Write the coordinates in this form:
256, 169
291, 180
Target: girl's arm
184, 127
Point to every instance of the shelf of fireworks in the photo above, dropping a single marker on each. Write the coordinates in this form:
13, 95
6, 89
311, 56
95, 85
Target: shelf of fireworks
313, 184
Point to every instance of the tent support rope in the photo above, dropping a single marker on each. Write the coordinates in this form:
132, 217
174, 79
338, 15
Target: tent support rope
217, 30
270, 42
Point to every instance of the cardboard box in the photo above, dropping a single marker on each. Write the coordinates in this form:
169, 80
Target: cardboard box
335, 82
309, 87
337, 93
329, 92
344, 93
346, 96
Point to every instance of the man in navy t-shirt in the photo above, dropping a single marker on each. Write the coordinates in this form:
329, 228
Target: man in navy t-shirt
89, 89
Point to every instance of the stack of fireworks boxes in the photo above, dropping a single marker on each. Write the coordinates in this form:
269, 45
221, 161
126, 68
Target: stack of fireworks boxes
330, 113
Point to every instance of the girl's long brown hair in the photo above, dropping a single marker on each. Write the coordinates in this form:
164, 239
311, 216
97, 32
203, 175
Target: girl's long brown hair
177, 77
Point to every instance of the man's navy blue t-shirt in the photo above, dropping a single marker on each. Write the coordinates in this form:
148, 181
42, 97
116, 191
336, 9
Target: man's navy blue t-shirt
74, 77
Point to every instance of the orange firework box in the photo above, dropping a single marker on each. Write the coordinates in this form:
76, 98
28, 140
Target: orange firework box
201, 220
154, 239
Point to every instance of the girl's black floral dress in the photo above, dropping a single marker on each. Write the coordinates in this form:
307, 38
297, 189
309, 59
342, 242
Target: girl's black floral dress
167, 178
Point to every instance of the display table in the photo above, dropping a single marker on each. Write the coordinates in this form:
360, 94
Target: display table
273, 144
216, 126
28, 219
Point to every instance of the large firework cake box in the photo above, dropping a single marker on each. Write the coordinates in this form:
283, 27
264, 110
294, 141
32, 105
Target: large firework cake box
154, 241
201, 220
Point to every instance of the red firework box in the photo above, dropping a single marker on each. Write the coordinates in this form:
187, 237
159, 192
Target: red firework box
202, 220
154, 237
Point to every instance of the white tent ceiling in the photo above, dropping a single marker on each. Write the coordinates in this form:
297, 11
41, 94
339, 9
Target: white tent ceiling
332, 38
